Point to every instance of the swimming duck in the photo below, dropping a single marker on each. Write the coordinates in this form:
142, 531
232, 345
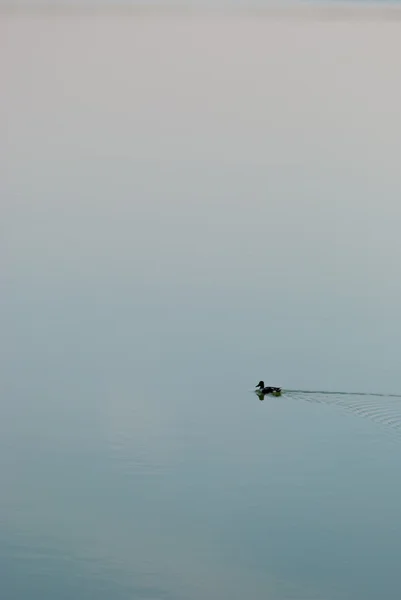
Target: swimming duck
276, 391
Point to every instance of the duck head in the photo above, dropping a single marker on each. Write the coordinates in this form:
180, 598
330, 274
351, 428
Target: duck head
261, 385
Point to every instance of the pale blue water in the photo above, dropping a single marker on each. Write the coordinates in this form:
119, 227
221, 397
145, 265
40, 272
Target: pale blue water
136, 493
188, 206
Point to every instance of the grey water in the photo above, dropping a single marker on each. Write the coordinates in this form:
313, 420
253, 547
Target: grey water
190, 204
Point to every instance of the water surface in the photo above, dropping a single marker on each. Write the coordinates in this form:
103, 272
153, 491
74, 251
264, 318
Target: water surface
190, 205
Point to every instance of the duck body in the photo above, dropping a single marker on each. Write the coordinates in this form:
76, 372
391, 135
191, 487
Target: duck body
263, 391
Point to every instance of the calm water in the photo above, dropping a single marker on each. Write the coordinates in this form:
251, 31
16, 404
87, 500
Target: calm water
190, 205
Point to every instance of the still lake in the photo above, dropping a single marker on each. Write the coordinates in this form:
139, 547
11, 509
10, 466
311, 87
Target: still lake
192, 203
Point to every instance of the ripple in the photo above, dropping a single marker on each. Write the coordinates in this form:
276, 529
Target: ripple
382, 409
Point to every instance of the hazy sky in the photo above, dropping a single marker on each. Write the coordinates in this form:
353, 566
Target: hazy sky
222, 189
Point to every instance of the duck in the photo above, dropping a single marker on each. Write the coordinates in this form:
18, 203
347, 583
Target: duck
276, 391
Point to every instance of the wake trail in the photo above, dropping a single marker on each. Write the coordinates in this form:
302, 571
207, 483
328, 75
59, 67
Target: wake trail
330, 393
385, 412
